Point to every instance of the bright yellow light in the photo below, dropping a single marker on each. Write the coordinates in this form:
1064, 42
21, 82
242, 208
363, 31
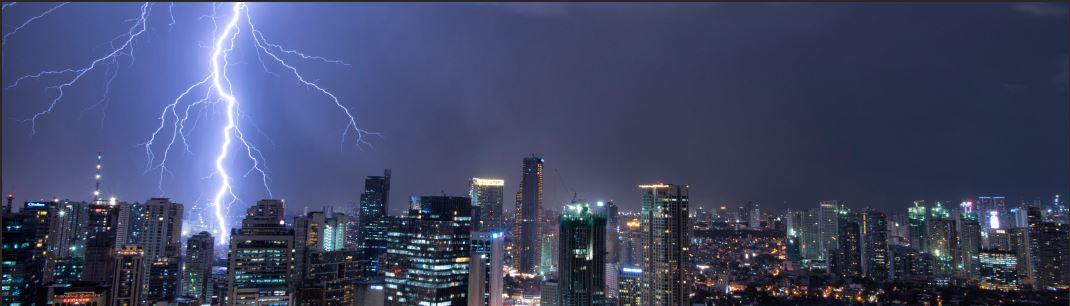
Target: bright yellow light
487, 182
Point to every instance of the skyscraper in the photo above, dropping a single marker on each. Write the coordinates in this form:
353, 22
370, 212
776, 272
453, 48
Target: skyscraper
997, 270
163, 228
828, 227
969, 245
373, 204
1053, 255
666, 244
127, 278
198, 266
875, 245
630, 286
161, 242
918, 223
528, 204
943, 243
849, 255
487, 199
428, 263
100, 240
581, 277
485, 276
260, 258
24, 253
317, 231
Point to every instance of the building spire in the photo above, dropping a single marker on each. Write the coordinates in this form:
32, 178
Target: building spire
96, 192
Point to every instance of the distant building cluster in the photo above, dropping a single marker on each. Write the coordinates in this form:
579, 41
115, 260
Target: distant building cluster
465, 250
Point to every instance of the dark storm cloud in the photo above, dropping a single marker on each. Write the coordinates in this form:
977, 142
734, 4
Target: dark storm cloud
784, 104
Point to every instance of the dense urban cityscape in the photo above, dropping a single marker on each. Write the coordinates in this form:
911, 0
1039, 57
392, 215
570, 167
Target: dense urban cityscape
465, 250
534, 154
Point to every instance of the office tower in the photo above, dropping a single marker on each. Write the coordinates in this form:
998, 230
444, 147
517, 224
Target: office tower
1053, 255
317, 231
969, 244
612, 278
630, 286
918, 223
373, 204
67, 236
130, 223
828, 226
666, 244
165, 274
528, 204
875, 245
1017, 241
428, 263
849, 255
487, 200
24, 254
161, 242
582, 254
127, 277
548, 256
943, 243
550, 293
631, 248
198, 266
997, 270
909, 264
260, 258
100, 242
612, 233
485, 276
332, 278
994, 212
163, 228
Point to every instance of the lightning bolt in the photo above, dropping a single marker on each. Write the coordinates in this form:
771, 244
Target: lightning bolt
212, 90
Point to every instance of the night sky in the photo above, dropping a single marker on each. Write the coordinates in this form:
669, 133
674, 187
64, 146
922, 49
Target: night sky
784, 104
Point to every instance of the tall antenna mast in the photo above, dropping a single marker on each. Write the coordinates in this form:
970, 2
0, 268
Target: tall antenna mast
96, 192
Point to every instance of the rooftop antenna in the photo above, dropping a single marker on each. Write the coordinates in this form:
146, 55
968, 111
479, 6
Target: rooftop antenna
96, 192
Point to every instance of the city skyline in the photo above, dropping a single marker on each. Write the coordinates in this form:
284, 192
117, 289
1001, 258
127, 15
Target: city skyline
882, 125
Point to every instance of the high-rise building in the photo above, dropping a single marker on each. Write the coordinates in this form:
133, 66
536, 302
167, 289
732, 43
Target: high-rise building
127, 279
969, 245
528, 205
994, 212
550, 295
100, 242
943, 243
828, 217
548, 256
373, 204
1053, 255
332, 278
918, 223
260, 259
485, 274
612, 233
849, 255
874, 245
630, 286
163, 228
582, 255
161, 240
997, 270
66, 239
317, 231
666, 244
25, 235
487, 200
165, 274
428, 264
198, 266
631, 243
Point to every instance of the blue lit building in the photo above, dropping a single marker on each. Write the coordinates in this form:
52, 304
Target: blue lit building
429, 254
